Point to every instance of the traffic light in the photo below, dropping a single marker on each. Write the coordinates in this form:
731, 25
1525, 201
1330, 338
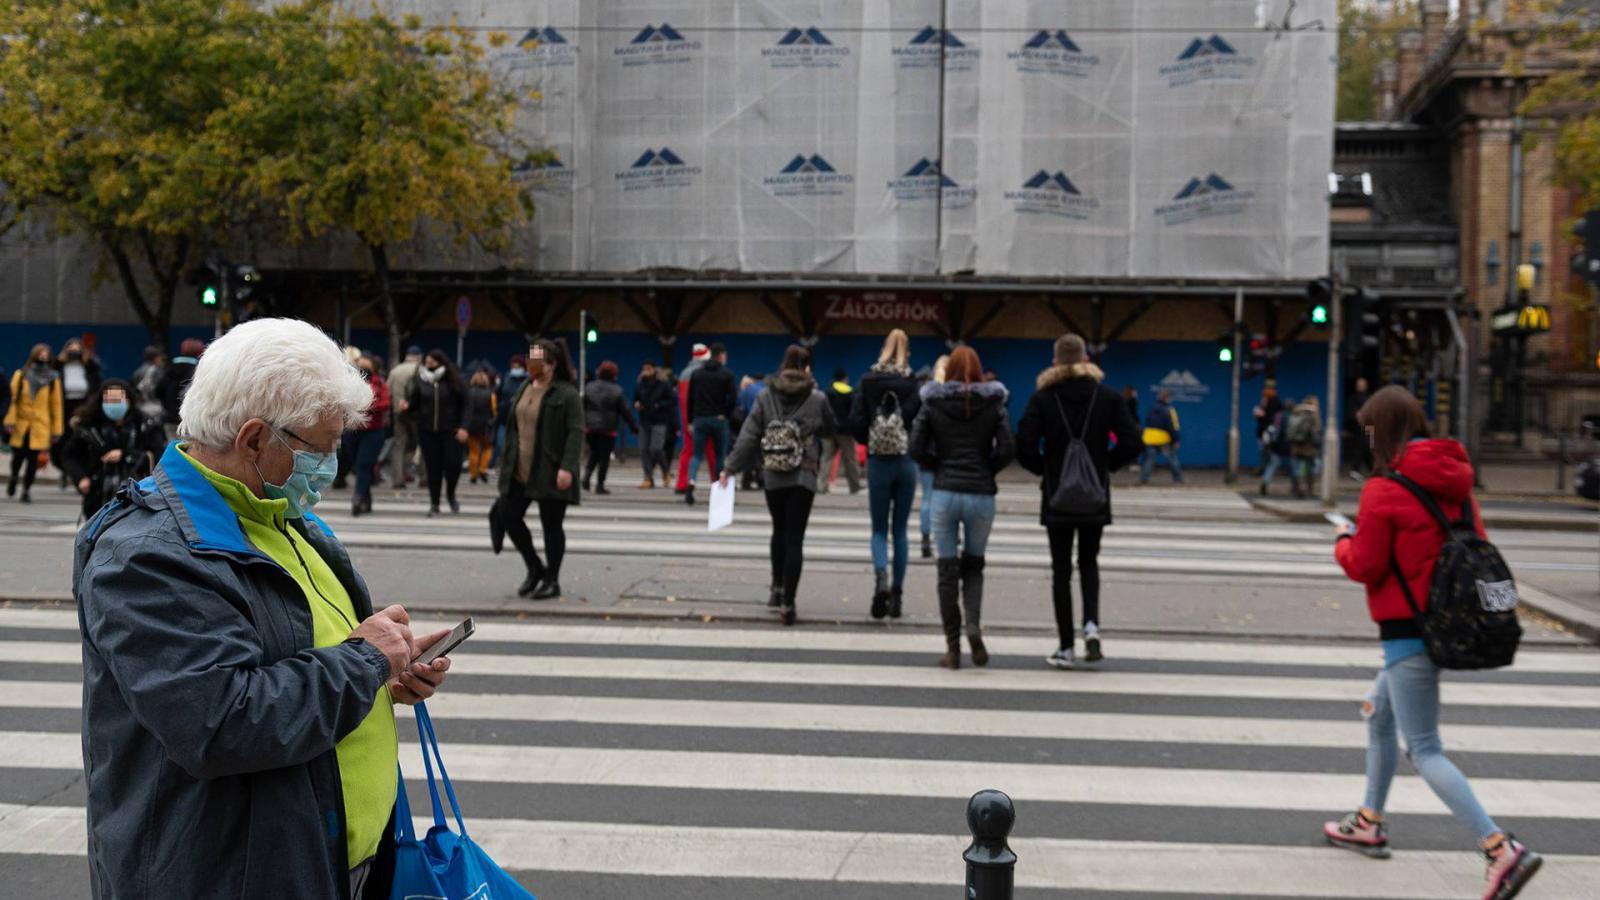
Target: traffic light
1319, 294
1255, 356
1225, 348
1364, 331
207, 284
1586, 262
591, 328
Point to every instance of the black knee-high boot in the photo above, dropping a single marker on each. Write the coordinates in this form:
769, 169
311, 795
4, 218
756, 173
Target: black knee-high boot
972, 604
950, 611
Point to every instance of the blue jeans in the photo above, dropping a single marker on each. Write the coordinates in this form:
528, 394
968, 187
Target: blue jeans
1407, 694
926, 515
364, 457
1169, 456
891, 482
1276, 461
715, 430
961, 523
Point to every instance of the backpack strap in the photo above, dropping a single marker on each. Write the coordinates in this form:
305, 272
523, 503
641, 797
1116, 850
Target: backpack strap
1405, 587
1428, 503
1093, 396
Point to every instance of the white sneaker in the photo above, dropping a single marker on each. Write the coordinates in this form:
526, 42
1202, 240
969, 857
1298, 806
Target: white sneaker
1091, 643
1061, 659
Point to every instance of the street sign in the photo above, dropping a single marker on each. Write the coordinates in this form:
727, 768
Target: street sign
1528, 319
463, 312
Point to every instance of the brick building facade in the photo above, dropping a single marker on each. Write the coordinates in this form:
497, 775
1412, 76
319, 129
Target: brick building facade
1463, 82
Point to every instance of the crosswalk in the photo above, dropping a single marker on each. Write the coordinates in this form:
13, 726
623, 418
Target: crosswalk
672, 760
1158, 530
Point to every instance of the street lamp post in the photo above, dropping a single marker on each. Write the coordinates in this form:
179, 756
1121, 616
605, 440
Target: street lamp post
1330, 435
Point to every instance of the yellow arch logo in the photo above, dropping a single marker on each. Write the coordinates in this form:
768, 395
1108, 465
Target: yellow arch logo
1534, 318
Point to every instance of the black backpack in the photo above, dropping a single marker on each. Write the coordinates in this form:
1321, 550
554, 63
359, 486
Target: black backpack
1471, 622
1079, 491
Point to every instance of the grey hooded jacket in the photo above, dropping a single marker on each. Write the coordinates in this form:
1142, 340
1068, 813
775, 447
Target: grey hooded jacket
209, 722
791, 394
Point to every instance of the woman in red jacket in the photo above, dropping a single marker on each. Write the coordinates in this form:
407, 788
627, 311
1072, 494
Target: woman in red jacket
1396, 536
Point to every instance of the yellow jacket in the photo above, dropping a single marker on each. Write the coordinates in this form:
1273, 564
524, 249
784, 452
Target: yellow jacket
35, 416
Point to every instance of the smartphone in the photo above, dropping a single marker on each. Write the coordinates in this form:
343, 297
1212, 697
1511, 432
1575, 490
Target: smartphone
444, 645
1339, 520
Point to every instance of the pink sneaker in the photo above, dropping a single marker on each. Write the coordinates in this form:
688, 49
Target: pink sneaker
1511, 867
1355, 832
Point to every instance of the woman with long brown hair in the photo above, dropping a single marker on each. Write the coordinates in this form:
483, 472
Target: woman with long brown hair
1392, 550
963, 433
782, 435
34, 418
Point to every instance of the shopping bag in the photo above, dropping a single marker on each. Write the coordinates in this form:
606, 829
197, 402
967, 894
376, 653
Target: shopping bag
444, 865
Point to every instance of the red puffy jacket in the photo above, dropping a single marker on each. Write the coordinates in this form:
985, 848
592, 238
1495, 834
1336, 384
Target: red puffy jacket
1393, 525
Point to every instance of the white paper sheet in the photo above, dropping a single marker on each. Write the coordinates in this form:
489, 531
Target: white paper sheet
721, 505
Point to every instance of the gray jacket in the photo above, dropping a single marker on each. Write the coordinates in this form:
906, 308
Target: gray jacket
790, 394
209, 722
604, 405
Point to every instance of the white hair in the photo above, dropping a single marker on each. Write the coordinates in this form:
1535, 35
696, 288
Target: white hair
284, 371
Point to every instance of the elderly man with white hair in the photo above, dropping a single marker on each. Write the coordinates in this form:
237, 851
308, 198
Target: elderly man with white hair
238, 719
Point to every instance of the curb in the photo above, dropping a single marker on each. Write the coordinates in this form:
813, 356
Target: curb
1584, 625
1492, 518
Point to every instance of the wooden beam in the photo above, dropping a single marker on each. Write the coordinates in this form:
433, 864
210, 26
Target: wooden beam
639, 312
783, 317
1128, 321
554, 313
1061, 314
988, 316
699, 312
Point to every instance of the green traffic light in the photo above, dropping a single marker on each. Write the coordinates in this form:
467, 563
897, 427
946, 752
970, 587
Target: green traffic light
1224, 354
592, 336
1319, 314
208, 296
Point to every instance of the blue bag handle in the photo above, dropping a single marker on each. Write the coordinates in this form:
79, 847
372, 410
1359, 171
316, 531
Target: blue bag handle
404, 832
428, 739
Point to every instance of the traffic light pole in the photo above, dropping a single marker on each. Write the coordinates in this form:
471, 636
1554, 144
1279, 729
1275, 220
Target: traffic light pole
1330, 435
583, 348
1233, 415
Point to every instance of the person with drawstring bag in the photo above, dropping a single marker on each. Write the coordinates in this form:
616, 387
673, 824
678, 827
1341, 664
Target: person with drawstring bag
1065, 437
1442, 598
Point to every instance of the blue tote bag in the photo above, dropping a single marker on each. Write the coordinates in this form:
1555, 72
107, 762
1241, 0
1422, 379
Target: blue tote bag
444, 865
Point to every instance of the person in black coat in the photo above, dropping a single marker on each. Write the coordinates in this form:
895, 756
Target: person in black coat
888, 390
657, 405
437, 399
1070, 400
110, 444
963, 433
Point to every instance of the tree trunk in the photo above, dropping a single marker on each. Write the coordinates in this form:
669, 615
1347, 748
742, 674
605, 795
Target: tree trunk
391, 317
156, 322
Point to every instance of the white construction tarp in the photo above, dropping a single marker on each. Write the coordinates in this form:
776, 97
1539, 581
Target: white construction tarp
1079, 138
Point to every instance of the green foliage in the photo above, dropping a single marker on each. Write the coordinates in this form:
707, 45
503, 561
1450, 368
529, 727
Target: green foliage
155, 127
1366, 42
1570, 102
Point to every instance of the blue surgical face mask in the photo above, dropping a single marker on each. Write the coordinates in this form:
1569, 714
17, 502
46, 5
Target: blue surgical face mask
518, 372
116, 412
311, 475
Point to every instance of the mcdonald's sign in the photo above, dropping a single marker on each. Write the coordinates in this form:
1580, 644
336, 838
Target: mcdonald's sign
1522, 319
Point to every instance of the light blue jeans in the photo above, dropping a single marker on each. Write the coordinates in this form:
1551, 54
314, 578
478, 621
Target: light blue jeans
1168, 455
925, 516
891, 486
1407, 694
961, 523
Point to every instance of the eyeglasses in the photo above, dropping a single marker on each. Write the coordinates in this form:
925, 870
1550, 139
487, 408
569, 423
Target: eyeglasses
302, 440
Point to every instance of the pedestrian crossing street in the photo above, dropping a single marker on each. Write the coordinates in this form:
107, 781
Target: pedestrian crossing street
1157, 530
618, 761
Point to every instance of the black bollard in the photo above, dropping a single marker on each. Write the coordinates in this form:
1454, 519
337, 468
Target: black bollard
991, 866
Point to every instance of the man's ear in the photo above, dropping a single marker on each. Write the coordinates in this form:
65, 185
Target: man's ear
252, 439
